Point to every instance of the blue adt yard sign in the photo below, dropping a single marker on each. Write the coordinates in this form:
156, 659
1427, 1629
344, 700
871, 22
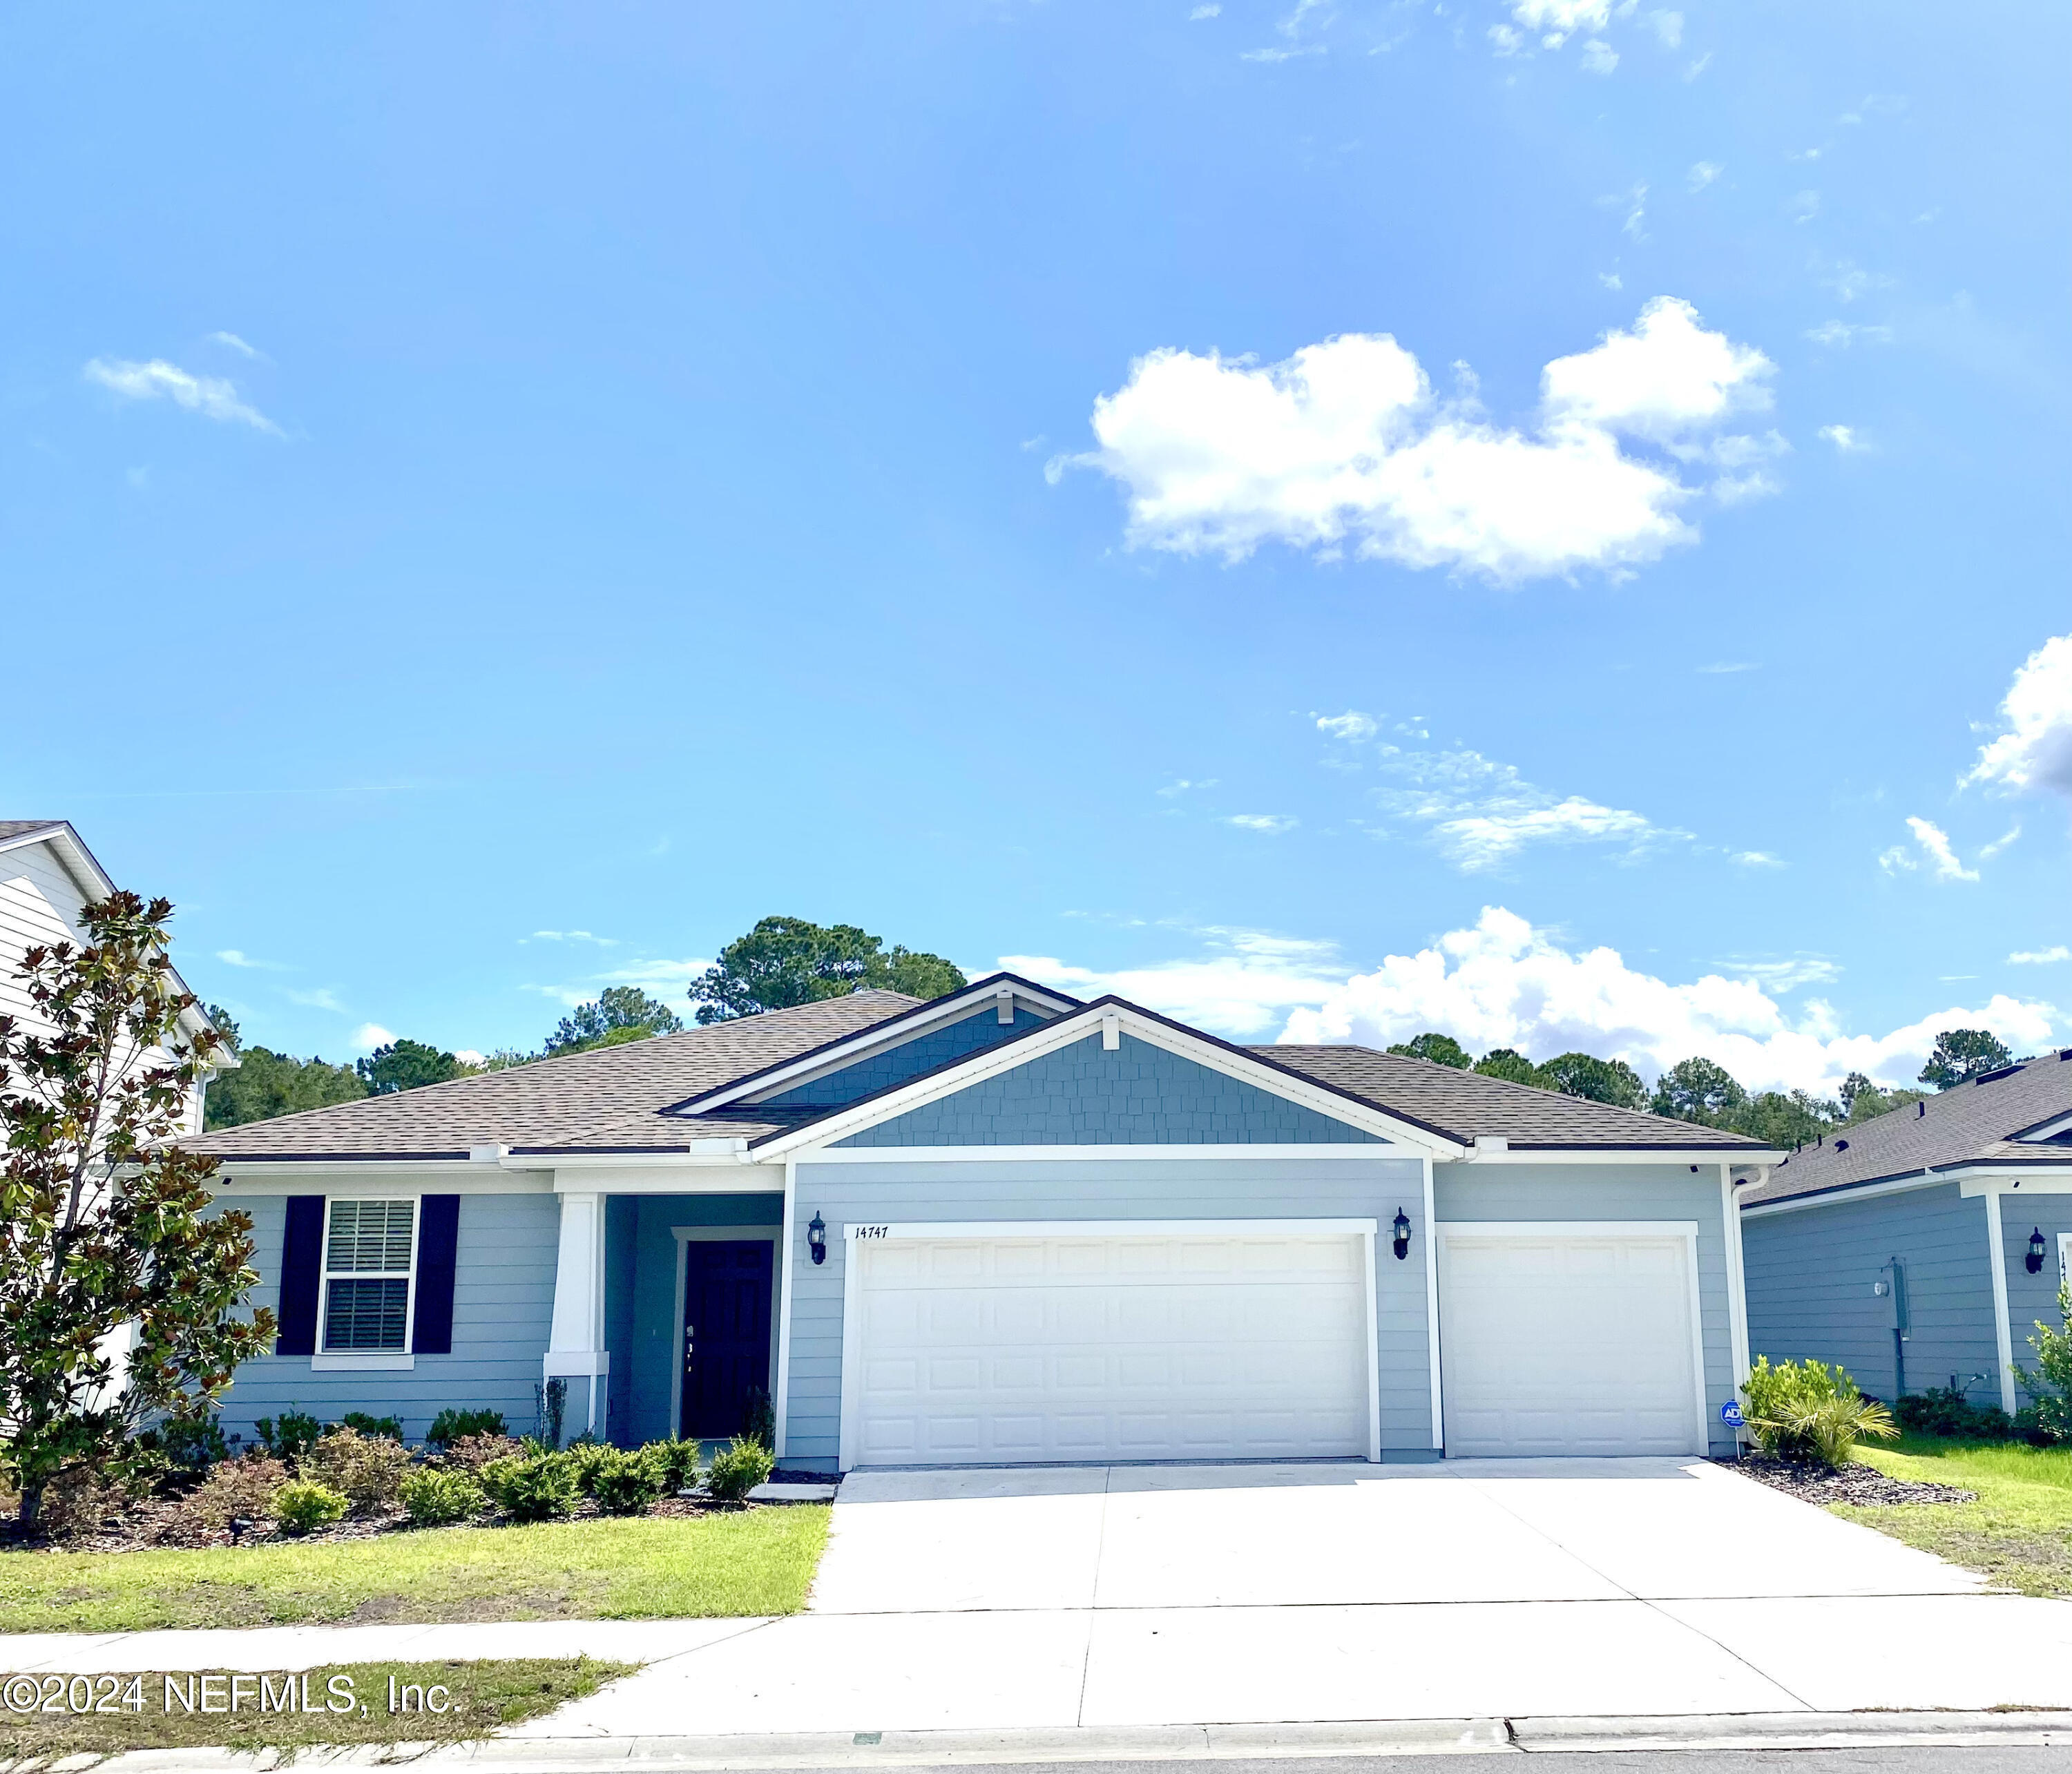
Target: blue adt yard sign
1730, 1413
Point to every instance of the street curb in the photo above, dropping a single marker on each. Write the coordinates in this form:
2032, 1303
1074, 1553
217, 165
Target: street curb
711, 1755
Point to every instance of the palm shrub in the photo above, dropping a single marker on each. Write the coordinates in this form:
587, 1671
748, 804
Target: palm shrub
625, 1482
1807, 1410
2050, 1384
303, 1504
531, 1487
438, 1495
737, 1469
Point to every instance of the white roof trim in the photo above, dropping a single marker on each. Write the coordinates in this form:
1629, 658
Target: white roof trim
991, 1061
979, 996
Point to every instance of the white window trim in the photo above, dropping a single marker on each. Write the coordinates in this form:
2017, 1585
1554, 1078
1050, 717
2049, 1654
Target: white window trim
326, 1361
1685, 1230
1364, 1230
772, 1235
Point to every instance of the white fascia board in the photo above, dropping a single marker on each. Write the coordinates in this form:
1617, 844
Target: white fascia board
2046, 1131
2030, 1182
867, 1232
733, 1179
989, 1062
1567, 1229
395, 1181
1861, 1192
1697, 1157
976, 998
966, 1155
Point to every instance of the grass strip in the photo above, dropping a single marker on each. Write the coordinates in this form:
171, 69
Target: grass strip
753, 1563
380, 1703
2018, 1533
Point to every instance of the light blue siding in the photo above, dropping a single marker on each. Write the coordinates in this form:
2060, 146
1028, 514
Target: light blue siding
1614, 1191
504, 1303
1812, 1273
981, 1029
1117, 1189
2030, 1297
1082, 1094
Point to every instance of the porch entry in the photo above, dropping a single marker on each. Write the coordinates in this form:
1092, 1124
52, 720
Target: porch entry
725, 1334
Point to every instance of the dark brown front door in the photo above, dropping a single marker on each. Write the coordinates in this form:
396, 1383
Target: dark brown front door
726, 1332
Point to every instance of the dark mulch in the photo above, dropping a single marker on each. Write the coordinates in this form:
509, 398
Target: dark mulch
1854, 1483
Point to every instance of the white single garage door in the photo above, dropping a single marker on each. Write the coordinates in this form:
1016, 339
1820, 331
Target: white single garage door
1073, 1343
1570, 1339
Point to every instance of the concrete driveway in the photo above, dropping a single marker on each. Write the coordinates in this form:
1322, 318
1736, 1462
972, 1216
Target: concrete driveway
1107, 1599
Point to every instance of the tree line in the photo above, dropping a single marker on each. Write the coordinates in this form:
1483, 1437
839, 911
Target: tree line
780, 962
1702, 1090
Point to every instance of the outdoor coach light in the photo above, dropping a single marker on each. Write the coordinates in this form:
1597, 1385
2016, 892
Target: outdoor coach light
1401, 1228
2036, 1251
816, 1236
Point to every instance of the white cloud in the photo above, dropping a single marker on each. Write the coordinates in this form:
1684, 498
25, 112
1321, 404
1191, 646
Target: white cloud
1804, 207
1702, 174
1182, 785
1669, 28
665, 980
467, 1056
210, 396
1850, 281
2039, 958
1504, 984
1611, 279
1934, 844
231, 342
1344, 442
237, 958
1274, 824
1599, 57
1787, 975
1846, 439
1558, 20
1842, 333
569, 936
1200, 13
1350, 725
1506, 40
1243, 985
1724, 668
2036, 751
369, 1036
1480, 813
1758, 859
322, 998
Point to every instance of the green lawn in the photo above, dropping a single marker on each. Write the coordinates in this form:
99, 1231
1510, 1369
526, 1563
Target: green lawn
2018, 1533
480, 1698
756, 1561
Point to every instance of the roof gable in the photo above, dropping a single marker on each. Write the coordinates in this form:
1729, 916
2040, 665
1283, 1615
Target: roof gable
941, 1045
1086, 1093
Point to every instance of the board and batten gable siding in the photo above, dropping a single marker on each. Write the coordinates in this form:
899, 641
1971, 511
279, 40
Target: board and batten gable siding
1583, 1192
981, 1029
503, 1306
1082, 1094
1812, 1275
1120, 1189
2030, 1297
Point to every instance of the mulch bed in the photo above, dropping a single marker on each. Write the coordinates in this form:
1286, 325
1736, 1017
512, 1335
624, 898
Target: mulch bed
1854, 1483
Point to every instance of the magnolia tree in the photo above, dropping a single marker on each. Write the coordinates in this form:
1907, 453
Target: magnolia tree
107, 1239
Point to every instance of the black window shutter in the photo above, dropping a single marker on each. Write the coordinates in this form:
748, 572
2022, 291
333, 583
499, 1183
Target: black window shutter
438, 1238
302, 1265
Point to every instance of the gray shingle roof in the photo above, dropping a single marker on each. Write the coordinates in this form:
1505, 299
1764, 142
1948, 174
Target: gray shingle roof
608, 1099
20, 828
1973, 1124
1466, 1106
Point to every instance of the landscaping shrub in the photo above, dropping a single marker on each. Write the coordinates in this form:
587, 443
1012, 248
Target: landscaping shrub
1943, 1410
367, 1470
366, 1425
1807, 1410
192, 1444
531, 1487
244, 1487
762, 1427
587, 1455
288, 1435
737, 1469
79, 1502
626, 1482
303, 1504
450, 1426
2051, 1384
678, 1461
471, 1453
438, 1495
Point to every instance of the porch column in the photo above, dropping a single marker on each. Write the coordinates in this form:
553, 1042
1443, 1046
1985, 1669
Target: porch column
575, 1345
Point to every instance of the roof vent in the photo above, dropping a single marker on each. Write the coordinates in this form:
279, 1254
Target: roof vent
2004, 1071
2065, 1053
1841, 1145
1920, 1109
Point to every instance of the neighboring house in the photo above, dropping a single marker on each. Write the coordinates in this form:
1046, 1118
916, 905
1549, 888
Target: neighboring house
1919, 1248
1003, 1227
47, 878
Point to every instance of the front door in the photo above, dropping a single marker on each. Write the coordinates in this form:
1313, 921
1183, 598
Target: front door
726, 1332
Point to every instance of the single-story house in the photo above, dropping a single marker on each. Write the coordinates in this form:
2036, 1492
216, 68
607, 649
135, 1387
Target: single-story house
48, 878
1003, 1227
1919, 1248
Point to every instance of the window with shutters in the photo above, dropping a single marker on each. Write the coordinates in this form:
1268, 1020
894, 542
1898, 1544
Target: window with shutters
369, 1253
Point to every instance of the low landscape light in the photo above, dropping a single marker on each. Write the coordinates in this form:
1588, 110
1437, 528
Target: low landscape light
1401, 1227
816, 1237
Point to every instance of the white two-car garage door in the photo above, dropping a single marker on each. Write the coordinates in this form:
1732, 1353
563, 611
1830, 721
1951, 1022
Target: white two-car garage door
1177, 1341
1574, 1338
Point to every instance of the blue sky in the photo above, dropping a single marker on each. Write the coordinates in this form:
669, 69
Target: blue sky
467, 473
